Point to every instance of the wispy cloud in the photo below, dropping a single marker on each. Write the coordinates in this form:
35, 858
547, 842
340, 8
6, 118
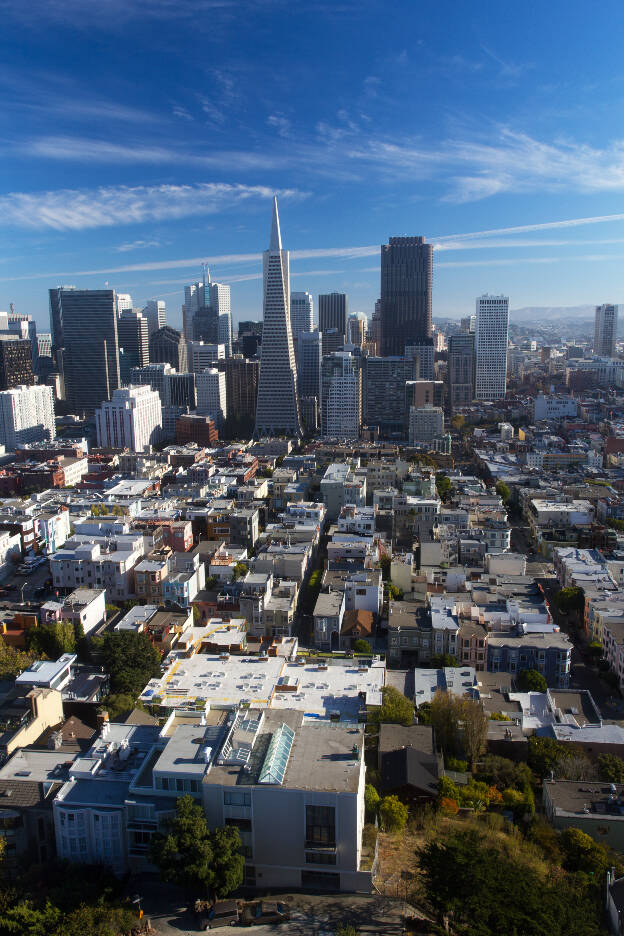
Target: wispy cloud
137, 245
507, 68
76, 209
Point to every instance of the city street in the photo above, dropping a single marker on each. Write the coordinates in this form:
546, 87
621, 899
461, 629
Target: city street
25, 587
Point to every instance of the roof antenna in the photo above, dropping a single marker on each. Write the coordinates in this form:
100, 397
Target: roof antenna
206, 272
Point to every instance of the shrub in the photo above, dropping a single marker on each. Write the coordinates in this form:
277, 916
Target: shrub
371, 800
393, 814
450, 807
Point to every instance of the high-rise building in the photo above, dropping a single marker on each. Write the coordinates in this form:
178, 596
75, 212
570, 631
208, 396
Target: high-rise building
383, 392
241, 390
15, 362
356, 329
132, 419
341, 396
211, 394
203, 355
491, 338
333, 309
373, 338
460, 370
224, 332
309, 363
90, 346
424, 393
123, 302
174, 389
406, 288
22, 325
56, 318
133, 339
167, 346
332, 340
301, 316
155, 312
277, 411
203, 304
423, 355
26, 415
605, 330
468, 324
426, 423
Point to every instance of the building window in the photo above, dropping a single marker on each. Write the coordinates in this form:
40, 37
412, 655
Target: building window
325, 858
321, 826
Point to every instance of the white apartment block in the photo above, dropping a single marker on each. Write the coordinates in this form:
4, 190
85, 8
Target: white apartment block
98, 562
491, 338
202, 355
54, 529
341, 396
211, 396
426, 423
605, 330
132, 419
554, 407
26, 415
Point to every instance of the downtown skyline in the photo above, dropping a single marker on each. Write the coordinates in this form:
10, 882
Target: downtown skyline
499, 145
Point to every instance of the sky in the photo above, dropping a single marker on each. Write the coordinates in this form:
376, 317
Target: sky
141, 137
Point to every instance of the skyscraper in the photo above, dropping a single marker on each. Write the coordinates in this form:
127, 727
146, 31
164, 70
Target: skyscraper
26, 415
491, 336
156, 314
133, 339
356, 329
277, 411
241, 392
91, 350
333, 313
383, 390
203, 304
211, 395
460, 370
605, 330
406, 287
301, 315
309, 363
341, 396
131, 419
167, 346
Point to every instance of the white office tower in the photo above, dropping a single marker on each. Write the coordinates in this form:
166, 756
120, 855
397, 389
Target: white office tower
224, 334
124, 301
605, 330
202, 355
132, 419
426, 423
491, 337
356, 329
156, 314
26, 415
277, 410
341, 396
211, 399
203, 304
301, 315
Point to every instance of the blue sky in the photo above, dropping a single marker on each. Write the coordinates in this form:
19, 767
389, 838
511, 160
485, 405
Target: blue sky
139, 137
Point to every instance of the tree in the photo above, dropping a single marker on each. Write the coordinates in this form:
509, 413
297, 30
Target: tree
546, 755
531, 680
393, 814
119, 705
595, 648
444, 486
393, 592
189, 855
503, 491
440, 660
611, 768
371, 800
444, 716
13, 661
581, 853
458, 421
361, 646
52, 640
240, 571
212, 582
570, 599
395, 708
503, 773
131, 661
385, 563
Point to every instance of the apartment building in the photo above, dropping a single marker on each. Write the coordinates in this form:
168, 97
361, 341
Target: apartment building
98, 562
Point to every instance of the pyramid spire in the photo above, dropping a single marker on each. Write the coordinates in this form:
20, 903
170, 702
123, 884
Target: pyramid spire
276, 238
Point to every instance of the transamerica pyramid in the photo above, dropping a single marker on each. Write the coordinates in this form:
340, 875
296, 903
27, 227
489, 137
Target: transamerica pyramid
277, 409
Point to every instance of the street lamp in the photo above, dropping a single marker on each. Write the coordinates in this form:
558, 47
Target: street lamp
137, 900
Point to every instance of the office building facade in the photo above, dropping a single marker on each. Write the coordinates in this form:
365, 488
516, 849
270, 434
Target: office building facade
309, 363
211, 395
333, 309
383, 388
167, 346
174, 389
341, 396
133, 338
241, 386
605, 330
491, 338
277, 411
26, 415
132, 419
301, 316
15, 362
204, 304
155, 311
460, 370
406, 293
426, 423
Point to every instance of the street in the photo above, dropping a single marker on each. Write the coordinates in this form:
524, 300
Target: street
25, 587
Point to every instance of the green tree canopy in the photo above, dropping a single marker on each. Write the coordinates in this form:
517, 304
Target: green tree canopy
440, 660
611, 768
393, 814
503, 491
385, 563
193, 857
130, 659
361, 646
371, 799
444, 486
395, 708
531, 680
570, 599
52, 640
546, 755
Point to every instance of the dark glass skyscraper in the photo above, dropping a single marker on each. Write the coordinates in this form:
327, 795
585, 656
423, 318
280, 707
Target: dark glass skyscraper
333, 310
406, 287
91, 350
133, 338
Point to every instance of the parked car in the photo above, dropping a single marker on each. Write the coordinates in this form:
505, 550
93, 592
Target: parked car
257, 912
221, 913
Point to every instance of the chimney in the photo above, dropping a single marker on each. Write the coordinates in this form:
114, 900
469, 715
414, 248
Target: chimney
101, 719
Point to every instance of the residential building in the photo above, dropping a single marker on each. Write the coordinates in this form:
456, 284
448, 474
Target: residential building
406, 288
333, 311
26, 415
328, 614
167, 346
592, 807
491, 338
460, 372
156, 314
554, 408
339, 486
211, 395
548, 653
341, 396
244, 527
277, 411
605, 330
191, 427
132, 419
98, 562
426, 423
91, 348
